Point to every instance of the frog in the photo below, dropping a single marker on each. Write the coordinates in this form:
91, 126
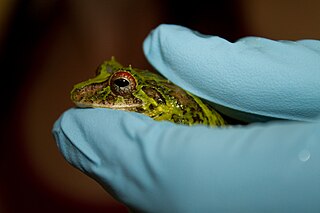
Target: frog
147, 92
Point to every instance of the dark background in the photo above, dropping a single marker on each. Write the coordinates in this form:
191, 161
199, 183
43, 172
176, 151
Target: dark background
47, 46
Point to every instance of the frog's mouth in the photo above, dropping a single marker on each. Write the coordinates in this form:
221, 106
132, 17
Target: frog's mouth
131, 107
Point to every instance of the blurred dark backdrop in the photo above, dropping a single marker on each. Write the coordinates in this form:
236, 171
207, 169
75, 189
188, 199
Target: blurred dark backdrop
47, 46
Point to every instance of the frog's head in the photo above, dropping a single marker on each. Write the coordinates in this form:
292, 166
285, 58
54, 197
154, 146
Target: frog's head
115, 86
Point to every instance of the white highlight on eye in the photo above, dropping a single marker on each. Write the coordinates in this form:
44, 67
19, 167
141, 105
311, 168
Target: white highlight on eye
304, 155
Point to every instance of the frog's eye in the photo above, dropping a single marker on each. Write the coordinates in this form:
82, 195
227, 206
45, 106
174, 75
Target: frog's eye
122, 83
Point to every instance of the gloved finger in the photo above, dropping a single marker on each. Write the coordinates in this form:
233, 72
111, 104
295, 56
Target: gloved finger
106, 145
255, 76
146, 164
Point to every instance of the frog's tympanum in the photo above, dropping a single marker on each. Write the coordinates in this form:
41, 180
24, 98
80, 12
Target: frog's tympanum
131, 89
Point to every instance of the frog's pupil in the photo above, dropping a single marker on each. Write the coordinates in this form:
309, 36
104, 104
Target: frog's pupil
121, 82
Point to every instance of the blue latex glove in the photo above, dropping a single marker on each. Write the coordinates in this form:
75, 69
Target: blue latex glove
163, 167
251, 78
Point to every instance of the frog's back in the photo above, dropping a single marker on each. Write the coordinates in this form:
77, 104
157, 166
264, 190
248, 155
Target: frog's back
179, 106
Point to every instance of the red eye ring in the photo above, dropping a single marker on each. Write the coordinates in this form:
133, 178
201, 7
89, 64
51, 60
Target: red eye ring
122, 83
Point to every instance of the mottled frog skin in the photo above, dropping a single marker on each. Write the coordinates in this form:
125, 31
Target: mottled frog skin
142, 91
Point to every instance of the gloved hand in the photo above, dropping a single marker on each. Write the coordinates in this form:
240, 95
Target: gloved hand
164, 167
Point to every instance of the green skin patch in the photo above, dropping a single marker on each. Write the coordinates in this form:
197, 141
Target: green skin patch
142, 91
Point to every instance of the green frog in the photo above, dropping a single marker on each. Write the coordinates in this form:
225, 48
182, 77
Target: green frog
142, 91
